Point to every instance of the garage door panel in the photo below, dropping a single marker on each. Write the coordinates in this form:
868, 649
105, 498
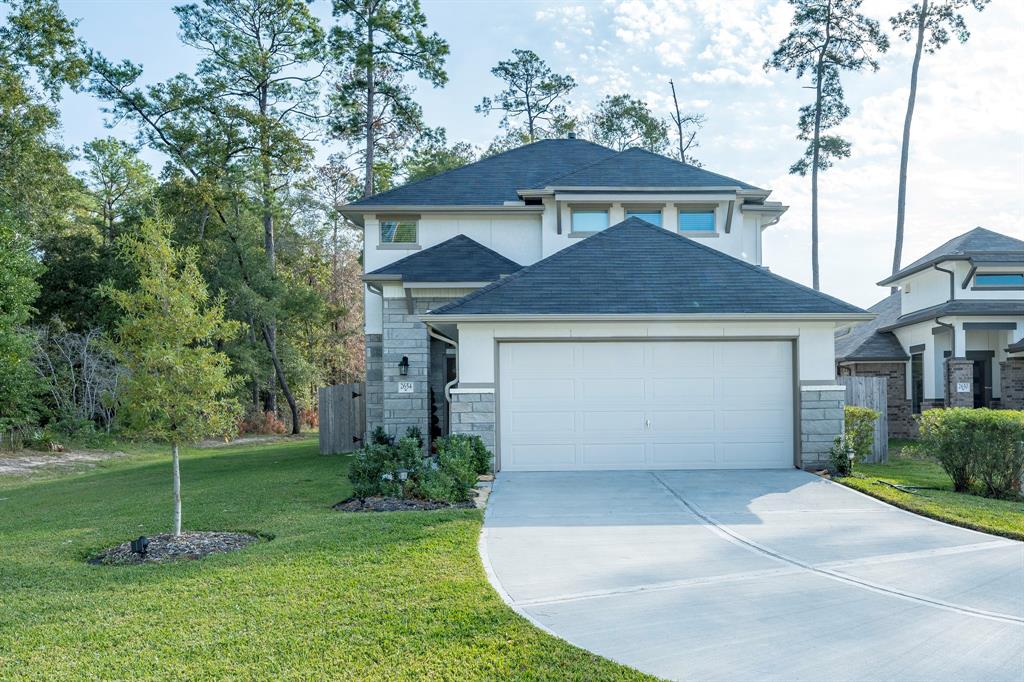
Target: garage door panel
645, 404
617, 455
697, 390
610, 390
542, 422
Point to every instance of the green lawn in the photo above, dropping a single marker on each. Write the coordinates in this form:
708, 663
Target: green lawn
1001, 517
344, 596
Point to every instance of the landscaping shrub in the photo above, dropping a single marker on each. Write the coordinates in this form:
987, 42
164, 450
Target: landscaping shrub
841, 456
415, 433
479, 455
263, 423
980, 445
860, 429
380, 437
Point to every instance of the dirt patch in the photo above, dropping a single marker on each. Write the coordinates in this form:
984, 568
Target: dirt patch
167, 547
250, 440
25, 462
389, 504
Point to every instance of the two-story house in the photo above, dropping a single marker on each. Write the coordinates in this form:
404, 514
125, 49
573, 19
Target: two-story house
953, 333
583, 308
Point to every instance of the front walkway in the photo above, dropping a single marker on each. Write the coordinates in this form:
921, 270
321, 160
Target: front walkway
747, 575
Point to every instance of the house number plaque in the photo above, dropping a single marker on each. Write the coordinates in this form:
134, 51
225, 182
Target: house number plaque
405, 387
963, 387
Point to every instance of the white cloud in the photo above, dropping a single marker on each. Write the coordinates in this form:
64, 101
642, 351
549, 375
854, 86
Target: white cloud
661, 25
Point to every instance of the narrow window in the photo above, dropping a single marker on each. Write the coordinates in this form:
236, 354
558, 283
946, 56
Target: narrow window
696, 221
589, 219
999, 280
916, 381
651, 216
397, 231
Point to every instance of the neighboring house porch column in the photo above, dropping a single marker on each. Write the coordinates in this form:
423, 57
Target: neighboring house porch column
959, 382
1012, 383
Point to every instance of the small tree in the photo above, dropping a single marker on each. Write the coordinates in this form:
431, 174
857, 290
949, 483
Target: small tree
533, 91
623, 121
178, 389
928, 24
687, 127
828, 36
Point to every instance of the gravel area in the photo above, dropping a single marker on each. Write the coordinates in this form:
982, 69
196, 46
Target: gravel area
26, 462
388, 504
167, 547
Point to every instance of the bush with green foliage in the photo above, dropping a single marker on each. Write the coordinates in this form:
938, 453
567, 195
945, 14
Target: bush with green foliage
415, 433
842, 456
402, 471
380, 437
860, 429
977, 446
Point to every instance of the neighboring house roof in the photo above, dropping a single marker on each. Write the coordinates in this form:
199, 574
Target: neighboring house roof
545, 164
459, 259
635, 268
978, 245
1017, 347
864, 343
964, 308
641, 168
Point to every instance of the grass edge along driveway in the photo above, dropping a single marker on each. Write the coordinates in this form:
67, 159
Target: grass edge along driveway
938, 501
341, 596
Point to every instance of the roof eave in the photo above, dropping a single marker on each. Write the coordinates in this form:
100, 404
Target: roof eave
903, 274
851, 359
642, 317
360, 210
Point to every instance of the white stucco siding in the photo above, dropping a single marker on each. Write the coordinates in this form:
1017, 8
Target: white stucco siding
513, 236
931, 287
373, 317
815, 343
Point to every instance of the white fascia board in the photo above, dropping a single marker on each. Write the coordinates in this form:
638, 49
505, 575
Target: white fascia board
644, 317
445, 285
400, 209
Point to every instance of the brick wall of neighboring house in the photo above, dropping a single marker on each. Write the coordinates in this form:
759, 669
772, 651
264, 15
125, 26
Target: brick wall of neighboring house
821, 420
899, 408
959, 371
1012, 383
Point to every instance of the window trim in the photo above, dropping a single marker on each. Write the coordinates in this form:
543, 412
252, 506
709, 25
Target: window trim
997, 287
398, 218
644, 208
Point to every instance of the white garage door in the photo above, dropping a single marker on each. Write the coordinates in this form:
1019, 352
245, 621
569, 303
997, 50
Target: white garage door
645, 405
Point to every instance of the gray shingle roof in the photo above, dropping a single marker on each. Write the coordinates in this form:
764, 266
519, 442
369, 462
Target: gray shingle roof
964, 308
864, 343
979, 244
494, 180
637, 268
547, 163
1017, 347
641, 168
459, 259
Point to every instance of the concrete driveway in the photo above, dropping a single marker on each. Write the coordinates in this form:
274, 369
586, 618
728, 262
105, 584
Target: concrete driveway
752, 575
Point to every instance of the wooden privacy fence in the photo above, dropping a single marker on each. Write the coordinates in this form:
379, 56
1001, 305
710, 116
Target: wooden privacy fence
342, 418
872, 392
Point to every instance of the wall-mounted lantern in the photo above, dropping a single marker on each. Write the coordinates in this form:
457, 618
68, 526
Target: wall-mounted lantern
403, 366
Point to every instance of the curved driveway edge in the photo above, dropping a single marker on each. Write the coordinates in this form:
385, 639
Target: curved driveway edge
738, 575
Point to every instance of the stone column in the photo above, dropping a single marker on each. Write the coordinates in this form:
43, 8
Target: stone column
1012, 383
959, 371
404, 336
473, 413
374, 397
821, 420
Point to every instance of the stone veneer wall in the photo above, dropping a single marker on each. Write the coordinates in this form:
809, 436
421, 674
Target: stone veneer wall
821, 420
1011, 383
473, 413
899, 408
374, 397
959, 370
405, 335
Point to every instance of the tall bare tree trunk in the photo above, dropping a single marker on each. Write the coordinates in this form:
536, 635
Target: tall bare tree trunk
177, 488
816, 155
901, 200
678, 121
370, 93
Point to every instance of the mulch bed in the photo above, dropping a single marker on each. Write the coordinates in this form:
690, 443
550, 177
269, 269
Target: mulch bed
167, 547
389, 504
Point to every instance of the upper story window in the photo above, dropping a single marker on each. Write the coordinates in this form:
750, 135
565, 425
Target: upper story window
398, 230
651, 215
1014, 280
588, 219
696, 219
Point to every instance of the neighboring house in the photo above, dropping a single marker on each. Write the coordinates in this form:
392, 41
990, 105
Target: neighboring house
951, 336
640, 332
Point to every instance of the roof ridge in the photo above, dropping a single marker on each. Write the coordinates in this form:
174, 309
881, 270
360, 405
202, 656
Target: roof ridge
614, 153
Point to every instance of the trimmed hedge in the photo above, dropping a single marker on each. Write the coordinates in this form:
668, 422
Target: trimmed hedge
980, 447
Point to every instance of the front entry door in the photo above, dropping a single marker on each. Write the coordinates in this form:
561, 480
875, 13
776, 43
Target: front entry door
982, 379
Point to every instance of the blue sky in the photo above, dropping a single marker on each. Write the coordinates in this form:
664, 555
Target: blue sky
967, 156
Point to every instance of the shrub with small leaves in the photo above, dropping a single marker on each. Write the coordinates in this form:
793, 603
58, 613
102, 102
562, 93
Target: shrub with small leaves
380, 437
841, 456
479, 456
980, 446
860, 429
415, 433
